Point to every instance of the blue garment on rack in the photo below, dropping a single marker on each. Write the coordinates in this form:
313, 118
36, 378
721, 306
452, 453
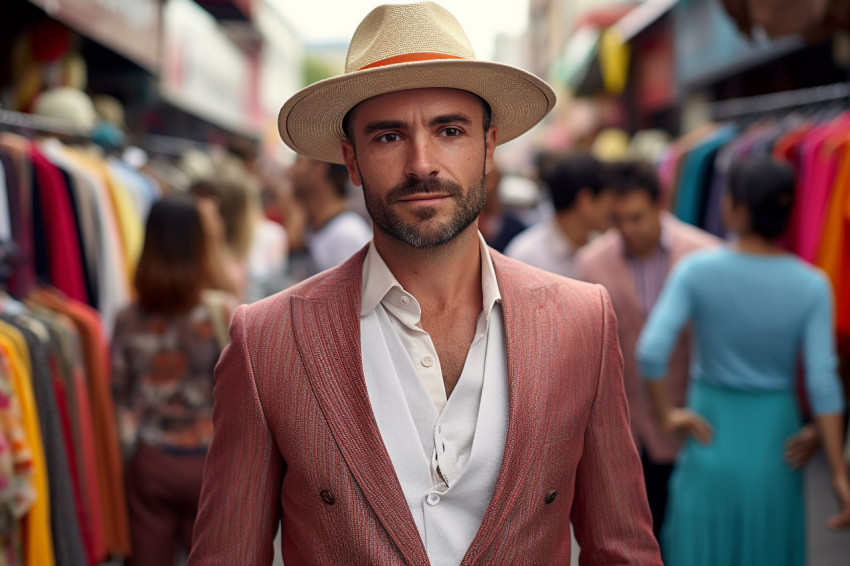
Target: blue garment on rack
695, 178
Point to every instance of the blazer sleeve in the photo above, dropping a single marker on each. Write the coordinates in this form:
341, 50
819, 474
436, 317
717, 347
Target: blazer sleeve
239, 509
610, 512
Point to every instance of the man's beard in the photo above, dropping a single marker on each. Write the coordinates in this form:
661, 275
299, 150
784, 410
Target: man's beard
427, 233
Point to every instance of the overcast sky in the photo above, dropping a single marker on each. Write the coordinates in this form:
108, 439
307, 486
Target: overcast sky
319, 21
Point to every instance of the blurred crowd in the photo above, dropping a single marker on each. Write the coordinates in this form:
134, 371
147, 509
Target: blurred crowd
710, 331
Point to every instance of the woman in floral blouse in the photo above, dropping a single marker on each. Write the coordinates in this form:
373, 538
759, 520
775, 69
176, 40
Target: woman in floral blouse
164, 350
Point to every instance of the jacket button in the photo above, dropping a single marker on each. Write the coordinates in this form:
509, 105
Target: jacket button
550, 497
328, 497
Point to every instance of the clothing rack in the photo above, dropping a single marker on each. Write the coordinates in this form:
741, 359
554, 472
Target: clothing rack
45, 124
787, 100
170, 145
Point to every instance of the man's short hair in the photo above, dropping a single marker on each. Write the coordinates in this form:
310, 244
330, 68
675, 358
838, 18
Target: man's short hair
487, 118
625, 177
568, 175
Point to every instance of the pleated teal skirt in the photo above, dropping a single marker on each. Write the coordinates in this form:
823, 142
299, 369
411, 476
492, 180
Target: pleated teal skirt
735, 502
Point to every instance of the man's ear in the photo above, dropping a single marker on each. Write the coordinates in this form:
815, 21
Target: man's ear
350, 158
490, 148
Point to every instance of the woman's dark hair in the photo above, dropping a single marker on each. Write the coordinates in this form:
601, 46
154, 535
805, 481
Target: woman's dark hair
766, 188
173, 269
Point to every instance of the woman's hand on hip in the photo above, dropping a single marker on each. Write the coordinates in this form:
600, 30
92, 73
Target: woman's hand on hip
687, 422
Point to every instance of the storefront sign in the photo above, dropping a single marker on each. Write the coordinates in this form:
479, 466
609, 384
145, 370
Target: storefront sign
204, 72
129, 27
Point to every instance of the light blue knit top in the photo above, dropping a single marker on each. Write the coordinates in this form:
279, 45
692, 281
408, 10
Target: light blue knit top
753, 316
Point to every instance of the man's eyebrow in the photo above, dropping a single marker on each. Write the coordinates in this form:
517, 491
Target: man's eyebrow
451, 119
377, 125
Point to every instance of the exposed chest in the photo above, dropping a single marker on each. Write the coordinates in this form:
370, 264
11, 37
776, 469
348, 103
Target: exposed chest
452, 335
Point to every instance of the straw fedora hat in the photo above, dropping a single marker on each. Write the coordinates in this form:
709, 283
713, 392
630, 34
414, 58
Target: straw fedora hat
402, 47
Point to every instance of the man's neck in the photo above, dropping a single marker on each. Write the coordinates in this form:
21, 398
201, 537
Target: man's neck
572, 226
438, 277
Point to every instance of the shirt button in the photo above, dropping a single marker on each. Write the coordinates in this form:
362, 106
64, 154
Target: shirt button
432, 498
550, 497
405, 300
427, 361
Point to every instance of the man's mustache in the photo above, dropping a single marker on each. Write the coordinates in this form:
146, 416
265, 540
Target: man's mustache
424, 186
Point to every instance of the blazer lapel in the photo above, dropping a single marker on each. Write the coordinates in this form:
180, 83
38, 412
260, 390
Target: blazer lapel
523, 325
327, 334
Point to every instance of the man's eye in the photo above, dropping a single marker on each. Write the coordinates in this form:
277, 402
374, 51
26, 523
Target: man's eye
451, 132
388, 137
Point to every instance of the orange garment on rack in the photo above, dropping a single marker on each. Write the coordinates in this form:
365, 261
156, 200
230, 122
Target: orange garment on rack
833, 255
38, 535
108, 456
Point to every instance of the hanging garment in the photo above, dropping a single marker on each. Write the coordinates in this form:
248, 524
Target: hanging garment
82, 428
108, 457
19, 175
64, 263
38, 542
18, 493
67, 542
696, 176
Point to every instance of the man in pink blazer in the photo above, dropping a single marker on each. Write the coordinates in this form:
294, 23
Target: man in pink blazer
429, 401
632, 262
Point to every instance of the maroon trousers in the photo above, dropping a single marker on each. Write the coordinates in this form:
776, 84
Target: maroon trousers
163, 489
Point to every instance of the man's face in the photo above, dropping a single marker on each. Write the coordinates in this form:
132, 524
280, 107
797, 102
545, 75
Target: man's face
637, 219
596, 210
421, 158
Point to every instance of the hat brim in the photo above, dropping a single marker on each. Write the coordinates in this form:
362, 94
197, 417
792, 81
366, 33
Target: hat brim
311, 121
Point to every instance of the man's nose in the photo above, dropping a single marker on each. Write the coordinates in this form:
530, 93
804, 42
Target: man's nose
421, 157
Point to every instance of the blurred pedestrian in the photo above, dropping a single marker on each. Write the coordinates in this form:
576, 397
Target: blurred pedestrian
632, 261
581, 208
334, 232
226, 272
754, 309
163, 351
498, 225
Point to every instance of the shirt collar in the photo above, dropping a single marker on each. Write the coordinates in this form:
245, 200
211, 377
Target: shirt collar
378, 281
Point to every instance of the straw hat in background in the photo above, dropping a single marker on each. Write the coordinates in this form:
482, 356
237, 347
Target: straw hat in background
403, 47
69, 104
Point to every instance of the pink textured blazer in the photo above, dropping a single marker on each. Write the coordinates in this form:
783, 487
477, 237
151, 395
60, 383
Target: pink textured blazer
603, 261
296, 440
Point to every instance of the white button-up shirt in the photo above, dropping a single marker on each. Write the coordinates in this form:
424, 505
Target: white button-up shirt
446, 452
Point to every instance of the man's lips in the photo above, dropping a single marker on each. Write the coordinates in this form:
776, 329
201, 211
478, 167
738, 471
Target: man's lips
425, 197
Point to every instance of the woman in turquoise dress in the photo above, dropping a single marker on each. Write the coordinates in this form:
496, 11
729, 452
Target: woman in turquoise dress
754, 310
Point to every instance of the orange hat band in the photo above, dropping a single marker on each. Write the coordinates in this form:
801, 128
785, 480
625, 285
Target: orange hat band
409, 58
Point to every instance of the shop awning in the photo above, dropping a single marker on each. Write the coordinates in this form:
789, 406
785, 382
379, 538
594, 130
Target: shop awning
579, 66
578, 57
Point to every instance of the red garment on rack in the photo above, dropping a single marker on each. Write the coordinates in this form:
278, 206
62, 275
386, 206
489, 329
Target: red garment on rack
63, 249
